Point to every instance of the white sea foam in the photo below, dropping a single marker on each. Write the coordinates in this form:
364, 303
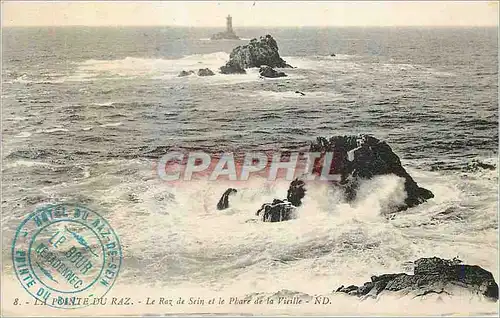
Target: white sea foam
57, 129
23, 134
112, 124
329, 244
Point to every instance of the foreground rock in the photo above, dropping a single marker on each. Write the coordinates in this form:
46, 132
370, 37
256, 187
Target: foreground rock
431, 276
255, 54
284, 210
205, 72
270, 72
224, 200
357, 158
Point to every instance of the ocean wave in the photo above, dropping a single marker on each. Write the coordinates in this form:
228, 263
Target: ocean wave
134, 66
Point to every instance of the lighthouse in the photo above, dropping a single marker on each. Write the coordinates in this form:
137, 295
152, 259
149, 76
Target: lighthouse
229, 33
229, 24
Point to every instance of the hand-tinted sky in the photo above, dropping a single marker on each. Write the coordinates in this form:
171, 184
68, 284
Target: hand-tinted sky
258, 13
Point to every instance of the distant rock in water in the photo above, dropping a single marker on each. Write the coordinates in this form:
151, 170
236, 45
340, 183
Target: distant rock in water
185, 73
333, 54
267, 71
431, 276
255, 54
200, 72
357, 158
205, 72
224, 36
224, 200
299, 92
476, 165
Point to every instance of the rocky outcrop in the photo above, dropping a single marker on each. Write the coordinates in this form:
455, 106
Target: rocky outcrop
296, 192
356, 158
232, 69
224, 200
185, 73
277, 211
255, 54
284, 210
224, 36
430, 276
205, 72
270, 72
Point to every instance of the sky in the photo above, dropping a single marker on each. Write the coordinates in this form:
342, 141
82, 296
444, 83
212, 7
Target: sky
251, 13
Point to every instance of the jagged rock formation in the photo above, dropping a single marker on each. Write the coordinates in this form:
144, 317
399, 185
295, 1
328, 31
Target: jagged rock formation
255, 54
205, 72
270, 72
431, 275
296, 192
284, 210
356, 158
224, 200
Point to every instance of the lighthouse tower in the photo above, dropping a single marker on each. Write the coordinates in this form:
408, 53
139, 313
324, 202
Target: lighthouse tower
229, 24
228, 34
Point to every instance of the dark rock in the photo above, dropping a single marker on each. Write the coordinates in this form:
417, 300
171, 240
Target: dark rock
333, 54
205, 72
224, 200
296, 192
284, 210
476, 165
431, 275
267, 71
185, 73
357, 158
232, 69
278, 211
255, 54
299, 92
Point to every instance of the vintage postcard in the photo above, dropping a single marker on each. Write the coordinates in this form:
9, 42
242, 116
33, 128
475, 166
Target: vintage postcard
249, 158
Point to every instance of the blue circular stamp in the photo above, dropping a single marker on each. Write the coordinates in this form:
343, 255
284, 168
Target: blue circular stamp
66, 256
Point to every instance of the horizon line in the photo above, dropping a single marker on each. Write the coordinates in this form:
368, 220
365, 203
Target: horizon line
255, 26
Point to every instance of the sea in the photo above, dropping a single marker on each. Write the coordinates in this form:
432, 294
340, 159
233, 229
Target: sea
88, 111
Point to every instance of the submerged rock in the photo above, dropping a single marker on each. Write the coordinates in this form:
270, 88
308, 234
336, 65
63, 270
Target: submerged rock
224, 200
270, 72
185, 73
357, 158
431, 276
205, 72
255, 54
